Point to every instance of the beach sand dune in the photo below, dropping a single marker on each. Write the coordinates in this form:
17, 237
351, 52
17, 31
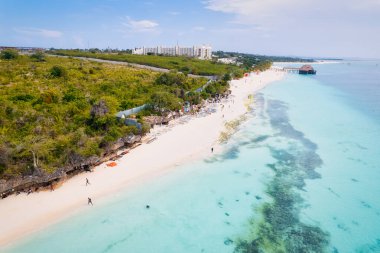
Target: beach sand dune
185, 139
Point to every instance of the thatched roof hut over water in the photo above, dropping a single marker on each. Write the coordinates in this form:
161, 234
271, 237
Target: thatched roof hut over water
307, 69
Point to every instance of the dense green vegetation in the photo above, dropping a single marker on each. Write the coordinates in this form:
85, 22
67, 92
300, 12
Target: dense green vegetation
183, 64
54, 111
38, 56
8, 54
261, 66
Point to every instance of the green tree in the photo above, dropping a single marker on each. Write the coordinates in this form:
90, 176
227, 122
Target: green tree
8, 54
171, 79
58, 71
165, 101
226, 77
193, 97
262, 66
38, 56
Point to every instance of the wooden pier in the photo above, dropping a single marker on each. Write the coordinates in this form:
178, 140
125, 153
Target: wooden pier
291, 70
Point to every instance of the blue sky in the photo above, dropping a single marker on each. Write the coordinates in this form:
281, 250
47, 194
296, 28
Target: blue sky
323, 28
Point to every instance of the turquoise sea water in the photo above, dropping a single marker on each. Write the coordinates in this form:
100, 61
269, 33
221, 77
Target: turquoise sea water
302, 174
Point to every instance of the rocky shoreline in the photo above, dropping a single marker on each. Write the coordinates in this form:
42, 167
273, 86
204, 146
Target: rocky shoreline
40, 181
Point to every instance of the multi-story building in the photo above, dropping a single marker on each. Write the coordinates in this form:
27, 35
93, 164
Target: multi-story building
201, 52
168, 50
186, 51
151, 50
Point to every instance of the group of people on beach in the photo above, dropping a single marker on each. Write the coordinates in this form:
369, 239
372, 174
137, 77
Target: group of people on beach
89, 200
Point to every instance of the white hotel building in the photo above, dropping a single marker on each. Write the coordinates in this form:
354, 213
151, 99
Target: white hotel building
201, 52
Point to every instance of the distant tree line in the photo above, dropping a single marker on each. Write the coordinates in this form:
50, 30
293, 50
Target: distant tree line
255, 58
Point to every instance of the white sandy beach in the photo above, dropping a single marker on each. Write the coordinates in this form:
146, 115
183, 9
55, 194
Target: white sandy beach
185, 139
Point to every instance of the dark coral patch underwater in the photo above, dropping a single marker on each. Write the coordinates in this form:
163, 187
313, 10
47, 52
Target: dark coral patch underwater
280, 228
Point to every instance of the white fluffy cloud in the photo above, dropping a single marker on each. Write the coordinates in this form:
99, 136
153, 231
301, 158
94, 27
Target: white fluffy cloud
39, 32
302, 27
247, 7
254, 10
198, 28
143, 25
258, 11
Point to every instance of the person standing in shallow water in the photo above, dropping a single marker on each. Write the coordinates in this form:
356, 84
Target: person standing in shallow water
89, 202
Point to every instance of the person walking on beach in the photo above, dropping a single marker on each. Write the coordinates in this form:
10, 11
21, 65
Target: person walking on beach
212, 150
87, 181
89, 201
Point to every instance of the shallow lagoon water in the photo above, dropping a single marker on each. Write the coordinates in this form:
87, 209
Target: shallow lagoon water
301, 175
